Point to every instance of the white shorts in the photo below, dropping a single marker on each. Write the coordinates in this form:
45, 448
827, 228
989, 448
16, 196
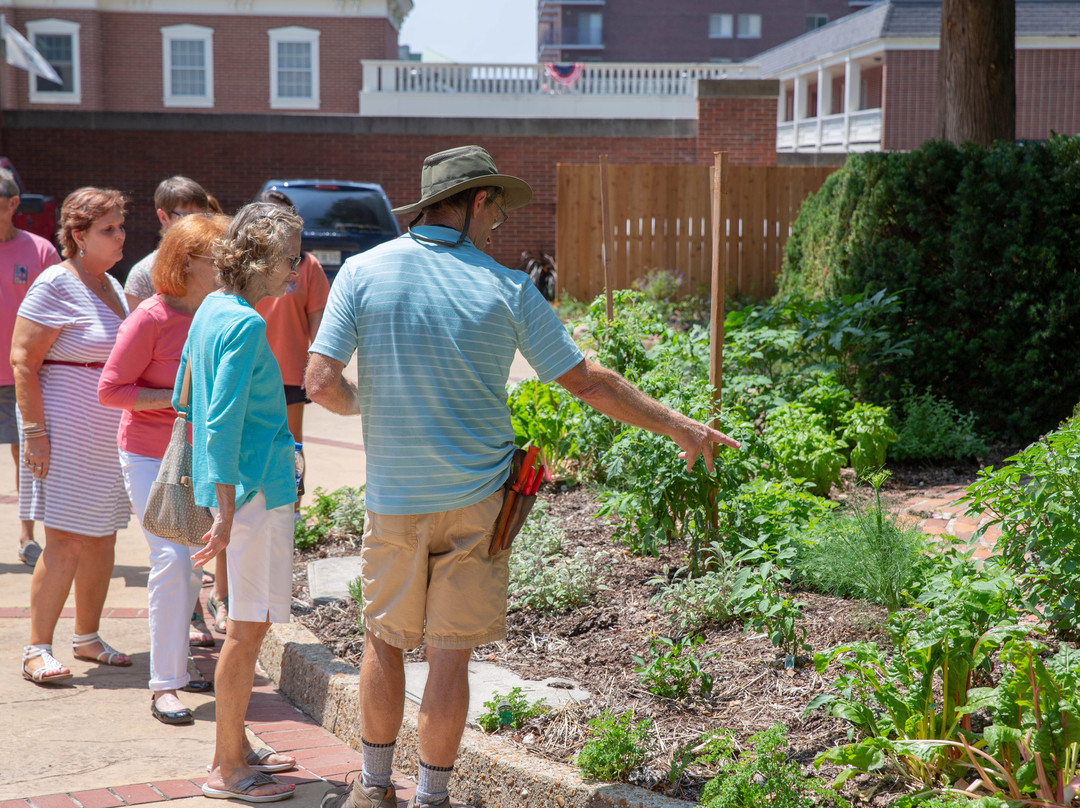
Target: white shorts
259, 557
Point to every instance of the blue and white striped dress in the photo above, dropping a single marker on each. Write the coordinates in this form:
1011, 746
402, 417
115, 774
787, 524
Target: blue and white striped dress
84, 490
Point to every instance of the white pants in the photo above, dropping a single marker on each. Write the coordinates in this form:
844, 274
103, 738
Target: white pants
173, 587
260, 562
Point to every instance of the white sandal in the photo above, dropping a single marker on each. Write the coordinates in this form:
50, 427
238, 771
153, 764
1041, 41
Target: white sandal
108, 655
51, 671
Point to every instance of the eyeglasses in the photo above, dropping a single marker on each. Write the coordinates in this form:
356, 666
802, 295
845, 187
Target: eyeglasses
500, 222
181, 214
294, 260
209, 258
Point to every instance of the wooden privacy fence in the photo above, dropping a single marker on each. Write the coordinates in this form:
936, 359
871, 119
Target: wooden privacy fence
661, 219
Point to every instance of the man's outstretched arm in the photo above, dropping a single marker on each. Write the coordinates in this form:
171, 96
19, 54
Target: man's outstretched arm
326, 385
609, 393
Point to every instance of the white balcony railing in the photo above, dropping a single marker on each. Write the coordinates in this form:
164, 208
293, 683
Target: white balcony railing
863, 130
416, 89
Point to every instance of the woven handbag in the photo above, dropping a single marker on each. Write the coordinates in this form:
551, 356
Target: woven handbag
171, 512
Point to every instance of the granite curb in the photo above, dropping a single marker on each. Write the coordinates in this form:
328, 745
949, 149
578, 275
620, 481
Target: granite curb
489, 772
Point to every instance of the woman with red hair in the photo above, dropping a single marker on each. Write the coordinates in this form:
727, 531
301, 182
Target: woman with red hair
138, 379
64, 331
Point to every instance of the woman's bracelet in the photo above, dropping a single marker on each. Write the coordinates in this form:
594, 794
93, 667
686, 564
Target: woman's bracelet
34, 433
31, 426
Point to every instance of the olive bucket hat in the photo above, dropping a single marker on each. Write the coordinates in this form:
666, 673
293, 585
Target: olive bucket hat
448, 172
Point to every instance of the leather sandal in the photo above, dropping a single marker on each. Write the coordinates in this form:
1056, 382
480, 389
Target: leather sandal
108, 656
184, 716
29, 553
219, 611
199, 635
242, 790
51, 671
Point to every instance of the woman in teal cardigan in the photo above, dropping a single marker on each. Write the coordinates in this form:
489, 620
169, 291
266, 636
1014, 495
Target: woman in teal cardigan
242, 467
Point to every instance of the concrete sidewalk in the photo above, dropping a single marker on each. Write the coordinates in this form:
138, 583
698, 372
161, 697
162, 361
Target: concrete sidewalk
90, 742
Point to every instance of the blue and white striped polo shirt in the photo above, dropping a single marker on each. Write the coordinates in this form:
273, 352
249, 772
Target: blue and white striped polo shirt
435, 329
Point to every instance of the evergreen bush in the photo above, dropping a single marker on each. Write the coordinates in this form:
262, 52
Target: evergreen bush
983, 247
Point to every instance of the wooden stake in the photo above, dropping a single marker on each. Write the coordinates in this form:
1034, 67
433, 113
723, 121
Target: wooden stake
719, 276
609, 247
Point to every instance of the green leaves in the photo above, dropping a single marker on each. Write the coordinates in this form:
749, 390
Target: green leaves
512, 711
616, 746
548, 417
1035, 500
673, 667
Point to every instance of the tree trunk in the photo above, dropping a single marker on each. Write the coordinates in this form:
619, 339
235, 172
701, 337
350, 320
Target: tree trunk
977, 71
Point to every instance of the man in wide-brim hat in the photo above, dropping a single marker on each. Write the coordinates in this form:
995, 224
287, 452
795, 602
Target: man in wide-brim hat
434, 323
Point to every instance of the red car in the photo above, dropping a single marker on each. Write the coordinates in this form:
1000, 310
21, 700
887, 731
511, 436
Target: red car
37, 214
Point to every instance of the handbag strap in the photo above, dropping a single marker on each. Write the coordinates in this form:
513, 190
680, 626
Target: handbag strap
185, 390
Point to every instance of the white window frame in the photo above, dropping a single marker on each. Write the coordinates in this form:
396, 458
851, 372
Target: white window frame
739, 18
716, 22
187, 32
294, 33
57, 27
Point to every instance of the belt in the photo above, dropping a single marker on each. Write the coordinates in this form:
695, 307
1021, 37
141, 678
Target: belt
73, 364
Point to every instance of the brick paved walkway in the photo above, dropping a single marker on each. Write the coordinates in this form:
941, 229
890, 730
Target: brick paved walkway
320, 755
935, 512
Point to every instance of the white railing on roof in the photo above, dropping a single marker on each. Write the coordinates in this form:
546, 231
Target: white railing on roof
628, 90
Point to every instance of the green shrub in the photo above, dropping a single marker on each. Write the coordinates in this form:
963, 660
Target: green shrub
673, 666
341, 512
1035, 499
867, 554
762, 776
805, 446
983, 247
616, 746
764, 511
868, 435
542, 576
548, 417
512, 710
931, 428
694, 603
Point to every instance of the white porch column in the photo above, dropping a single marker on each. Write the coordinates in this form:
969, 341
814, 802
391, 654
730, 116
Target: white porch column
851, 96
822, 98
798, 108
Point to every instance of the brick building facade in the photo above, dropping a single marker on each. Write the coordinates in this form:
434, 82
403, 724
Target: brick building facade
676, 30
201, 55
868, 82
232, 155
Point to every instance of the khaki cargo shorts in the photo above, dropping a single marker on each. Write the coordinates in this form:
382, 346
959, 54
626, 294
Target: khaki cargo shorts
428, 578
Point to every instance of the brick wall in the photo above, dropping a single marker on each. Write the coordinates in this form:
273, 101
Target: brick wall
738, 117
122, 60
1047, 96
678, 30
232, 155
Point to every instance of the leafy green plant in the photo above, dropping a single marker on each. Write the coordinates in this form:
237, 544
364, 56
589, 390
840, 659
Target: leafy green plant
919, 693
542, 576
616, 745
868, 434
765, 511
761, 777
1032, 749
673, 667
867, 554
546, 416
341, 512
1035, 499
694, 603
933, 429
761, 592
805, 446
511, 710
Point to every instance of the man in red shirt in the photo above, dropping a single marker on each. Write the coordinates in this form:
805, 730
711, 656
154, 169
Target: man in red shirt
22, 258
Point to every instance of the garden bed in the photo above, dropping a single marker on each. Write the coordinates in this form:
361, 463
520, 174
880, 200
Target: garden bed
592, 645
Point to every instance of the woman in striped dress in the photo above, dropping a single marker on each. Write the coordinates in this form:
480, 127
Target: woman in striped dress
64, 331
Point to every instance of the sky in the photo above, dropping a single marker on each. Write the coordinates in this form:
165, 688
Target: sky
473, 31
